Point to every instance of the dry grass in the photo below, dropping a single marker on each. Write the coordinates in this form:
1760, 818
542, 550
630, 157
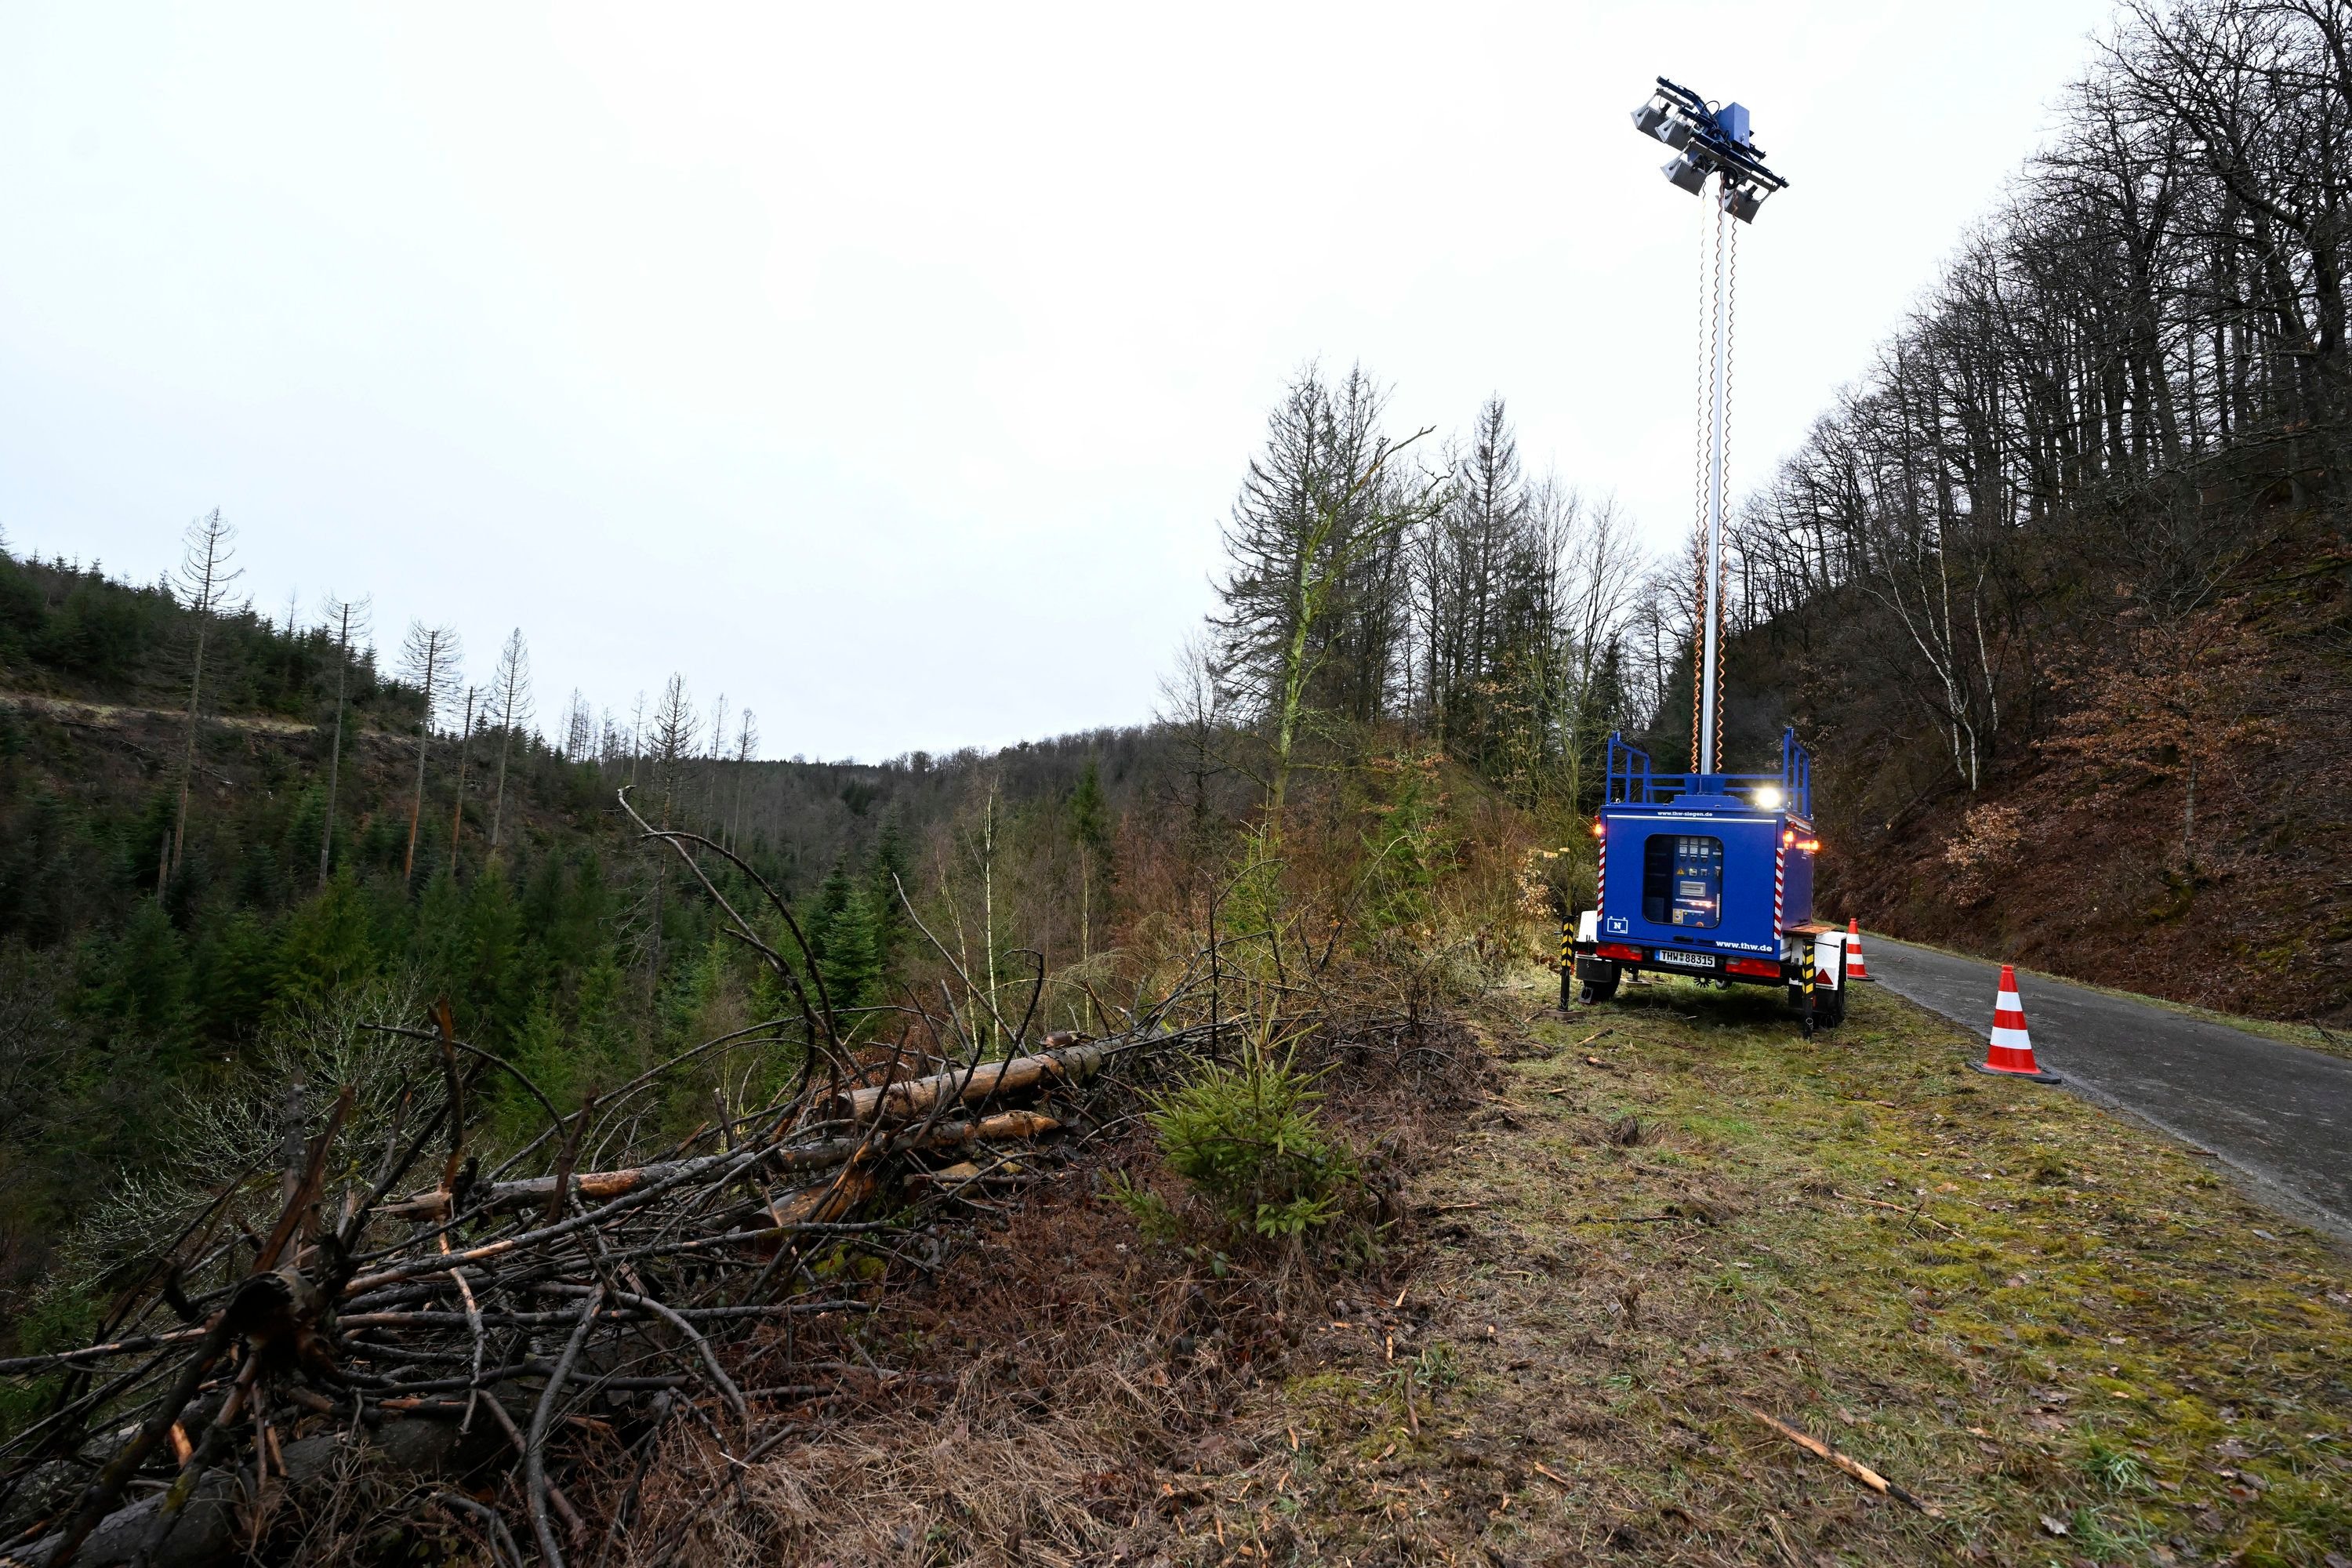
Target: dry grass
1089, 1385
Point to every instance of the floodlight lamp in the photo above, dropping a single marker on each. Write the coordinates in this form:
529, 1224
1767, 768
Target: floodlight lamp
1651, 119
1743, 202
1690, 171
1769, 798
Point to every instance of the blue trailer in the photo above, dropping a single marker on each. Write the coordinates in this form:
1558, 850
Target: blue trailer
1711, 876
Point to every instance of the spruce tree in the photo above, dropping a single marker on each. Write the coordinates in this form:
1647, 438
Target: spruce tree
889, 868
843, 935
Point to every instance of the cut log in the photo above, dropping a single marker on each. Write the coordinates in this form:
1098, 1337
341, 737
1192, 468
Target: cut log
602, 1186
916, 1097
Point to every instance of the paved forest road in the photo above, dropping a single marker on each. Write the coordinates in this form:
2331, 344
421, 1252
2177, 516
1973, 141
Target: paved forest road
2281, 1115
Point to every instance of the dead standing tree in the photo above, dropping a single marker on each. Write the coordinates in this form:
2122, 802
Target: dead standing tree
429, 661
673, 743
510, 710
203, 581
465, 744
349, 617
747, 747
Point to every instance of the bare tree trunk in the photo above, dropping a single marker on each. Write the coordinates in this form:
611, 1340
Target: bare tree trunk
499, 801
416, 803
510, 692
988, 902
457, 811
204, 577
430, 652
335, 757
187, 762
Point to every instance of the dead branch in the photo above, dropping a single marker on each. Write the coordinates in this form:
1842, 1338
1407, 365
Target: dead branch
1852, 1466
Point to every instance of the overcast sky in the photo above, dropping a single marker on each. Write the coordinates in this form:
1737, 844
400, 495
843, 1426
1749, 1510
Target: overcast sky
890, 369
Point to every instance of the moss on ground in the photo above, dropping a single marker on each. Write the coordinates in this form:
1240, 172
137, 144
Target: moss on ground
2067, 1334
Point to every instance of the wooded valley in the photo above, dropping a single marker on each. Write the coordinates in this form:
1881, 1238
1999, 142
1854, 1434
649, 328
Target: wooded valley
2059, 591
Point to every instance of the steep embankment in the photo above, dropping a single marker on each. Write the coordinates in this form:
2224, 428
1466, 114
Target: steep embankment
2178, 823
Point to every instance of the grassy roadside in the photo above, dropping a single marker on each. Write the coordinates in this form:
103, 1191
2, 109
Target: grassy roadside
2061, 1331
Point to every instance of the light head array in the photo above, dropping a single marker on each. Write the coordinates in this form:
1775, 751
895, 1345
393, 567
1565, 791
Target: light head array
1710, 141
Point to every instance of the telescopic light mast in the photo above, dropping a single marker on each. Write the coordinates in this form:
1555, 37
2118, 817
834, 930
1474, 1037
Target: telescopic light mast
1711, 145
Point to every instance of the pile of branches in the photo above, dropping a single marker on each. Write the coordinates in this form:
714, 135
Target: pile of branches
424, 1312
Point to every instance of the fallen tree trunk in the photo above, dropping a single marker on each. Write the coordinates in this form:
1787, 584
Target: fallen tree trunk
915, 1096
605, 1186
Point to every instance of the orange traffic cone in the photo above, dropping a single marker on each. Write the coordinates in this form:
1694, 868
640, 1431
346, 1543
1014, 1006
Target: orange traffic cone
2011, 1051
1855, 968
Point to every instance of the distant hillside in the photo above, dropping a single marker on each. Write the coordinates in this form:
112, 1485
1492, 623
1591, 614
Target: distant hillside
113, 1001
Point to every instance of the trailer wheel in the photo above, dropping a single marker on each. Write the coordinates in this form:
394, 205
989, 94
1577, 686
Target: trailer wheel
1598, 991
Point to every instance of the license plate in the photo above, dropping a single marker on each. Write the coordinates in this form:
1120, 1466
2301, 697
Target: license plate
1683, 960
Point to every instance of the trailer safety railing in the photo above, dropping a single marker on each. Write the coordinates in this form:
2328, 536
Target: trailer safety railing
1631, 780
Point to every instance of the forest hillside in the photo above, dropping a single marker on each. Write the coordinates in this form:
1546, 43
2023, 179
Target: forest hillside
337, 848
440, 1122
2061, 588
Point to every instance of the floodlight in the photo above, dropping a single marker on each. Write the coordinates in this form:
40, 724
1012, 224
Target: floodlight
1742, 202
1660, 119
1690, 171
1769, 798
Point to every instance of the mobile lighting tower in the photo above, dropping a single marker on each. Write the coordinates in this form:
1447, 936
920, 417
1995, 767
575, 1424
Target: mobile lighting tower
1708, 873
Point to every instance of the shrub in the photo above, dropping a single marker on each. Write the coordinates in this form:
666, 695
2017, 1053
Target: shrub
1248, 1139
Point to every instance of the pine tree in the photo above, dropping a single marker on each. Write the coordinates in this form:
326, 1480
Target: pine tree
328, 948
672, 740
747, 747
